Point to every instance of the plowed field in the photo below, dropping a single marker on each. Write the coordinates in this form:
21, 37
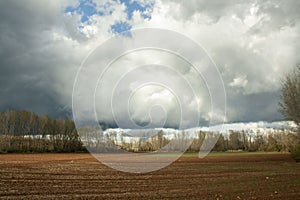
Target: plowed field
218, 176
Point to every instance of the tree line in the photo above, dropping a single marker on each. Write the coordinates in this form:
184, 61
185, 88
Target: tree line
24, 131
272, 141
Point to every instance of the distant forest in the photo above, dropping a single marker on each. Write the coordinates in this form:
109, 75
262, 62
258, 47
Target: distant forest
24, 131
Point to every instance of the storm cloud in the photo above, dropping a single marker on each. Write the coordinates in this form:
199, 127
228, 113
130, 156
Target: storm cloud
43, 44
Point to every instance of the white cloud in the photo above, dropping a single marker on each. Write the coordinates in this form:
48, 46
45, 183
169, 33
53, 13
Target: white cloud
253, 43
239, 82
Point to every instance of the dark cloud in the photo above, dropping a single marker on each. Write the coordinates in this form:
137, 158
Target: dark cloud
251, 107
26, 50
254, 44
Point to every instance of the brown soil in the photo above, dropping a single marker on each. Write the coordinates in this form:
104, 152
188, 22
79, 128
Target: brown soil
80, 176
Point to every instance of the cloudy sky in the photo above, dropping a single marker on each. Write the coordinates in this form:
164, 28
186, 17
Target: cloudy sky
44, 43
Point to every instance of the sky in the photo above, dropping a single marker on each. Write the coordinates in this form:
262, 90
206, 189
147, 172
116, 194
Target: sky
252, 43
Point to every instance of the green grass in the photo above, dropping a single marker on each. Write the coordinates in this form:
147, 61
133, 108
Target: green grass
241, 153
215, 154
225, 167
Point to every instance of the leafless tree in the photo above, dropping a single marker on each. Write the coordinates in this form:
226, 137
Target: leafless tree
290, 97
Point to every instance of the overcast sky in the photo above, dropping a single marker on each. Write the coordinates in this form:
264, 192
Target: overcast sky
43, 43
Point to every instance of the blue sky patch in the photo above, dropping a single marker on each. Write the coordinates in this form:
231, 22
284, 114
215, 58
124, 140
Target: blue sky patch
122, 28
132, 6
88, 8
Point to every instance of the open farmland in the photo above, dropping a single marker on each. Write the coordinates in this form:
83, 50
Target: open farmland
218, 176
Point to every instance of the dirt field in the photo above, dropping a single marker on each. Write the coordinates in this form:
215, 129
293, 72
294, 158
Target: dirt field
71, 176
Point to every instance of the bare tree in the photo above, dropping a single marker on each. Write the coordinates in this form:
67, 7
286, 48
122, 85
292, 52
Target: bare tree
290, 105
290, 97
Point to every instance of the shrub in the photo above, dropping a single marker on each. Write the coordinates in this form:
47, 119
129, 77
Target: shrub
296, 153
